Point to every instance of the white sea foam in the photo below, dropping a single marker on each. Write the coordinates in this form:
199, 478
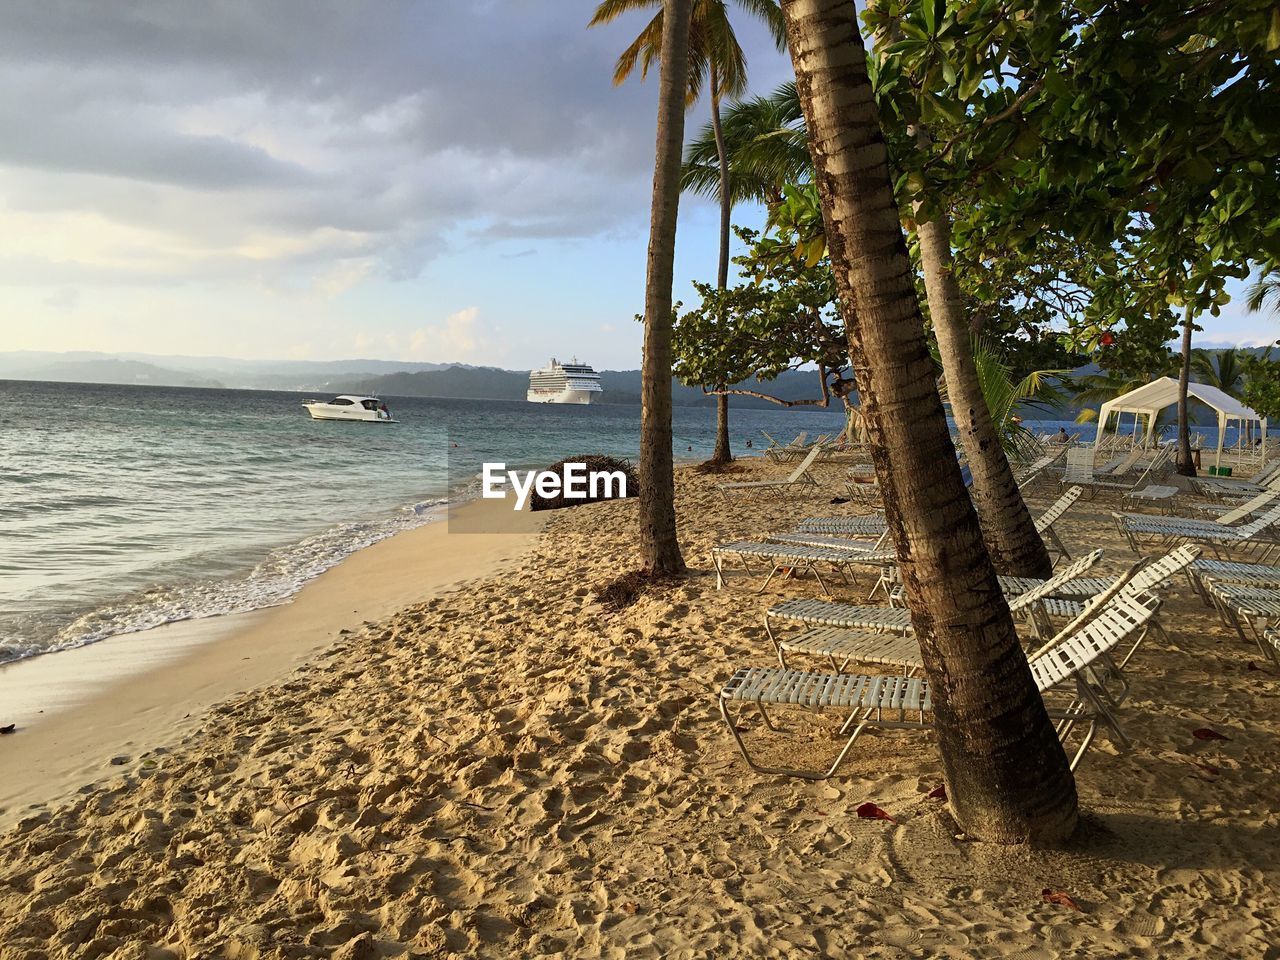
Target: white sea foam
272, 582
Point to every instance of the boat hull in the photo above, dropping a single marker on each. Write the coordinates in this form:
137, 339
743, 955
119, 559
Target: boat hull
327, 411
562, 396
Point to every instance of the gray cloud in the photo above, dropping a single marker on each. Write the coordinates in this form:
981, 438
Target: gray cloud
396, 124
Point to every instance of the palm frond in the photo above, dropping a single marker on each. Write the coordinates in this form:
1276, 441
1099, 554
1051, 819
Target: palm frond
1265, 291
610, 10
770, 14
643, 50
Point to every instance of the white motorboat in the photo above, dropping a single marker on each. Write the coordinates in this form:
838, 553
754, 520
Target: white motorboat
349, 407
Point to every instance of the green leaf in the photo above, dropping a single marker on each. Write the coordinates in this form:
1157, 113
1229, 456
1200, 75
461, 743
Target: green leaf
1057, 86
929, 14
947, 108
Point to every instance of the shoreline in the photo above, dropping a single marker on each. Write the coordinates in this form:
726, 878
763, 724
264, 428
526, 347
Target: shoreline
81, 711
425, 512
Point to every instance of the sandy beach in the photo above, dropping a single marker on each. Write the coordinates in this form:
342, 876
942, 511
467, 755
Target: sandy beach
499, 765
85, 713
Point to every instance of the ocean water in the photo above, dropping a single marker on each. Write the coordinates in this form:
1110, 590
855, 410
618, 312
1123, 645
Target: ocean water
124, 508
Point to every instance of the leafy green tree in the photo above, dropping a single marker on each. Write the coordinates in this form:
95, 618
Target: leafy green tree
783, 317
1144, 126
1262, 385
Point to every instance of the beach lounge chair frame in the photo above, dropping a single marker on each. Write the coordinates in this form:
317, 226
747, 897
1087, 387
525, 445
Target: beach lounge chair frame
1240, 605
799, 476
799, 558
1067, 659
1255, 537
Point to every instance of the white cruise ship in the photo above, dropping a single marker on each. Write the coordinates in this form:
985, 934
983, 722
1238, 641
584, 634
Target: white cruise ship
571, 382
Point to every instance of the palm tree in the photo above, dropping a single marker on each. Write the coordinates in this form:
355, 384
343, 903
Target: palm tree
765, 141
1005, 396
1220, 368
715, 58
1007, 774
1265, 293
658, 543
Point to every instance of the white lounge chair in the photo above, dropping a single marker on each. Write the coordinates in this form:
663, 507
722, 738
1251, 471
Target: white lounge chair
875, 523
1054, 513
1205, 570
1150, 579
1219, 487
775, 445
796, 450
799, 476
1240, 605
872, 525
1065, 662
863, 485
799, 557
832, 642
1142, 529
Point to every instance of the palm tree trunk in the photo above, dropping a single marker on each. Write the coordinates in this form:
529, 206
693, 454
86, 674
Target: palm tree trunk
1186, 466
659, 547
722, 452
1007, 774
1007, 525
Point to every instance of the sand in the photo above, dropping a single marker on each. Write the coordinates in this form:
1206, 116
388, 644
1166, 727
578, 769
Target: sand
84, 713
509, 769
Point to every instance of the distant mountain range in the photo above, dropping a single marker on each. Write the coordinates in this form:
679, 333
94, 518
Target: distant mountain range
387, 378
180, 371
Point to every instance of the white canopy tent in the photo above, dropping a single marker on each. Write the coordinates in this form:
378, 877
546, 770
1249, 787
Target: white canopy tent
1146, 402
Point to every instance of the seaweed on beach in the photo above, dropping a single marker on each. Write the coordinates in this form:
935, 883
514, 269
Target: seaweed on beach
595, 464
622, 592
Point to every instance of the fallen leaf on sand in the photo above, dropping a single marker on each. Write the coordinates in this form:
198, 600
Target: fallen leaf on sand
629, 908
1204, 733
9, 729
1208, 768
1254, 666
937, 793
1060, 897
869, 811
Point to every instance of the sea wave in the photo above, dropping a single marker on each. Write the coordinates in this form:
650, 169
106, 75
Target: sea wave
280, 575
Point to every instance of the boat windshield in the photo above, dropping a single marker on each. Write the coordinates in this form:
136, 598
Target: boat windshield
340, 402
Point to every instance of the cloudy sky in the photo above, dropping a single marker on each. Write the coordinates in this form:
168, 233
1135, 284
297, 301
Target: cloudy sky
297, 178
322, 179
